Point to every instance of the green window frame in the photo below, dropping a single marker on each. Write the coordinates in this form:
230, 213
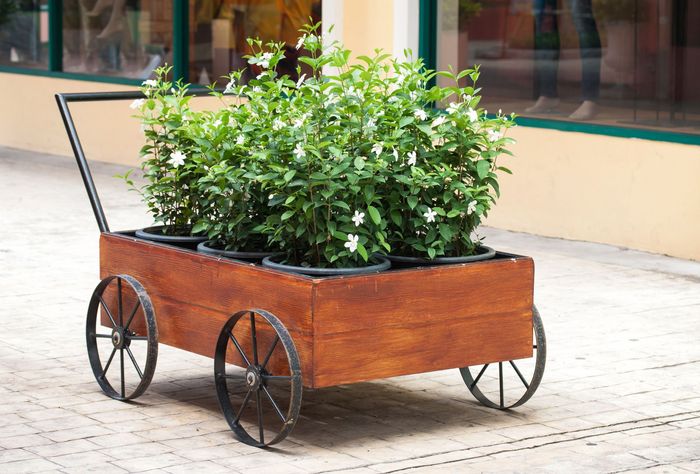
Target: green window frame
55, 50
427, 48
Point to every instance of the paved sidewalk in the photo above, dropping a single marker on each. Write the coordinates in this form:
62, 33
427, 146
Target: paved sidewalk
621, 390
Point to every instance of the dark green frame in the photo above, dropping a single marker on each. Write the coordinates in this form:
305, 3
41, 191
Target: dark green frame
427, 47
55, 53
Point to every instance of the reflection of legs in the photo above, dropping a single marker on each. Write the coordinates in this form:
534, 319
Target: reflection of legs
589, 44
546, 55
100, 6
116, 20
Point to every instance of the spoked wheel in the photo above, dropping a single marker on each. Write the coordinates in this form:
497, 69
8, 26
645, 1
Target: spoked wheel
260, 398
130, 333
490, 382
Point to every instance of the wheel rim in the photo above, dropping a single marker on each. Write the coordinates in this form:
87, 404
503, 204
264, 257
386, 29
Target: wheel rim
268, 423
131, 337
510, 368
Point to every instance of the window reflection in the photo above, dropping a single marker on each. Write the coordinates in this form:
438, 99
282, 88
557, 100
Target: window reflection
24, 33
124, 38
621, 62
219, 29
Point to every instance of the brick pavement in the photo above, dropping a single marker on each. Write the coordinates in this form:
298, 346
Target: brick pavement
620, 392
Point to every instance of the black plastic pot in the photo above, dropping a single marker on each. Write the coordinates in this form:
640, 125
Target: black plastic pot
156, 234
483, 253
205, 247
382, 264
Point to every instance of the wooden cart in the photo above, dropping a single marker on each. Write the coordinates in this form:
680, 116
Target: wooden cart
272, 333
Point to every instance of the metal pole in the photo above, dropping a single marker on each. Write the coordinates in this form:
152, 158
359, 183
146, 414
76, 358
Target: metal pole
82, 163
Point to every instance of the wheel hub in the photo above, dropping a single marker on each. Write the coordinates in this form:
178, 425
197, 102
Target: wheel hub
120, 338
253, 378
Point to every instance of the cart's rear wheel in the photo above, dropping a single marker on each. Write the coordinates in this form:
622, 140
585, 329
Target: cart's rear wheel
253, 396
131, 334
494, 396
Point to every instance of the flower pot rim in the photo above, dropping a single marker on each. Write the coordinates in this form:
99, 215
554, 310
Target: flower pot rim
205, 248
384, 264
485, 253
153, 233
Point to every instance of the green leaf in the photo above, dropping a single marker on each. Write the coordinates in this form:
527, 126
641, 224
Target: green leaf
482, 168
396, 217
374, 214
412, 201
431, 253
342, 205
405, 121
362, 251
289, 175
359, 163
199, 227
287, 214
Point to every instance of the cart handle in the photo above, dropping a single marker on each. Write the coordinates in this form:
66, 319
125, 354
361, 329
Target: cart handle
62, 100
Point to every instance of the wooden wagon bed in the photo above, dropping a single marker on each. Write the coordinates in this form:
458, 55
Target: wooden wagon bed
419, 320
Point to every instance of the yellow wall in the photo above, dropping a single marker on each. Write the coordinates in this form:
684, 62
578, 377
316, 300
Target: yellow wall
367, 25
633, 193
30, 119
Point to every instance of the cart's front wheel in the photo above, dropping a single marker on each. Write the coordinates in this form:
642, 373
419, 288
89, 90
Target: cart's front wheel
131, 333
489, 383
261, 398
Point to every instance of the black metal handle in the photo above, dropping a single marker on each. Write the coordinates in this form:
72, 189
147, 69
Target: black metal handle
62, 100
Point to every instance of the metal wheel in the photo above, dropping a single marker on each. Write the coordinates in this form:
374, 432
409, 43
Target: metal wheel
131, 333
270, 378
487, 386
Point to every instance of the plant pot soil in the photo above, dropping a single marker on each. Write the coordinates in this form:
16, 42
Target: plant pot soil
208, 248
382, 264
155, 234
398, 261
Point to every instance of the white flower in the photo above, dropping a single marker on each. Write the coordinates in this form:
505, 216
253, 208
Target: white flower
300, 43
430, 215
420, 114
471, 208
257, 89
352, 242
358, 218
150, 83
412, 158
298, 123
217, 124
377, 149
467, 98
260, 76
265, 60
500, 111
452, 108
137, 104
177, 159
395, 152
371, 123
438, 121
299, 151
473, 115
301, 80
240, 140
494, 135
229, 87
277, 124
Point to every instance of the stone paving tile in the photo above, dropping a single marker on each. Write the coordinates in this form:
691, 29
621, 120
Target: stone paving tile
620, 392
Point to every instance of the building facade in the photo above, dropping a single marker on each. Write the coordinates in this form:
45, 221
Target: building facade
608, 147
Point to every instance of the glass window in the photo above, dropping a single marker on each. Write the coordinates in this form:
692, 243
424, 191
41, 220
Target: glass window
616, 62
219, 28
24, 33
122, 38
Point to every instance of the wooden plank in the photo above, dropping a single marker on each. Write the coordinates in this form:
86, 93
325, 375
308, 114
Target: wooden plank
371, 354
436, 294
195, 294
421, 320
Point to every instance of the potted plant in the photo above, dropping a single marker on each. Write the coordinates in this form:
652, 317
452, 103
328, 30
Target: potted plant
171, 163
235, 201
443, 178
